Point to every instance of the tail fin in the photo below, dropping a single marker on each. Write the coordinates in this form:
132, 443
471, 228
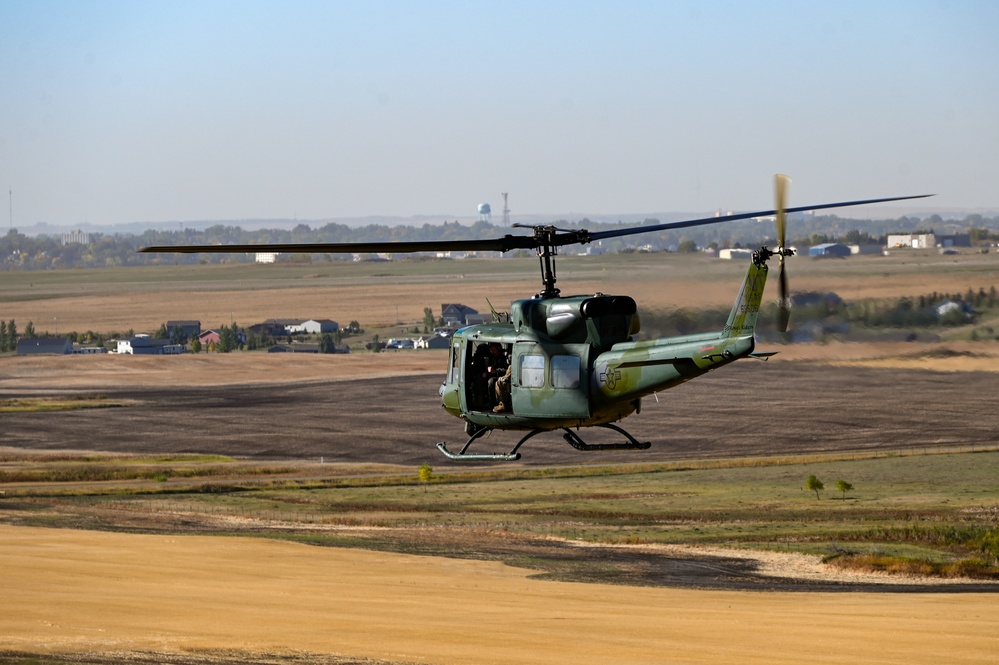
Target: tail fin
742, 319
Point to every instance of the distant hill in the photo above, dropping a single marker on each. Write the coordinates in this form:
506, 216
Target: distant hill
60, 247
137, 228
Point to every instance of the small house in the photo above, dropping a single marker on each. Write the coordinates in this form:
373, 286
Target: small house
208, 337
273, 327
456, 314
828, 249
432, 342
44, 346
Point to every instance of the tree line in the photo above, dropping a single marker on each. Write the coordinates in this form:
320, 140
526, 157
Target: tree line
45, 252
8, 335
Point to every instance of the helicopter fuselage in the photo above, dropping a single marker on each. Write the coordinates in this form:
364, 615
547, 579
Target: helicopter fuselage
573, 361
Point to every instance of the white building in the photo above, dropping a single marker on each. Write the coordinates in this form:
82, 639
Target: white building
432, 342
735, 253
865, 249
148, 346
74, 237
912, 240
313, 327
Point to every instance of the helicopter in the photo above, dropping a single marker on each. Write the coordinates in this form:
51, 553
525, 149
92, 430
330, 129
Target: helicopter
559, 362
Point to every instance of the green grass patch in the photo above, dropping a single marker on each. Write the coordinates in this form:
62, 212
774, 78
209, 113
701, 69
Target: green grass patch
972, 568
937, 512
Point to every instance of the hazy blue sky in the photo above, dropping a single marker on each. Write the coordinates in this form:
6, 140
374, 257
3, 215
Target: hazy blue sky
114, 112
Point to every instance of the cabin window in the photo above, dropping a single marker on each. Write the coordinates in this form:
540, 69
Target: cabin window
565, 371
455, 364
532, 370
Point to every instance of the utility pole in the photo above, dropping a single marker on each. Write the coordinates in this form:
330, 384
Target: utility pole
506, 210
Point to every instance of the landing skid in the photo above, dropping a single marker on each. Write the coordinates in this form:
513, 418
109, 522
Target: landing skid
572, 438
511, 456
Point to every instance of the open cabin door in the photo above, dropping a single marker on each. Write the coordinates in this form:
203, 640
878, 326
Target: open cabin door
451, 390
479, 370
550, 380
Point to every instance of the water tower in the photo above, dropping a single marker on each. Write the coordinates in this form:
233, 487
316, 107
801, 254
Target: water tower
485, 212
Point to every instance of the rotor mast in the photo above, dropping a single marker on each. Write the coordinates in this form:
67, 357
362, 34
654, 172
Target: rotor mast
547, 240
547, 250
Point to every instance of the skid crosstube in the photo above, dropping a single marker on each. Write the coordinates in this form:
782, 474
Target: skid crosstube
572, 438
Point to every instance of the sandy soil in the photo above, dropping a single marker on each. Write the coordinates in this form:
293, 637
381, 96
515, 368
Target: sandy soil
802, 567
109, 594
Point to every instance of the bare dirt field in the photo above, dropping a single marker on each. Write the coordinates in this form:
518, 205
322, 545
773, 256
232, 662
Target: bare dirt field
384, 408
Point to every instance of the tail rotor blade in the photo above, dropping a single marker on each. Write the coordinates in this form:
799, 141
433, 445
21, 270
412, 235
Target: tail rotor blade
781, 183
784, 303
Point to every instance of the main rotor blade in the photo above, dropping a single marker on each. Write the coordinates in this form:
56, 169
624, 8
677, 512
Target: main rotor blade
552, 238
704, 221
503, 244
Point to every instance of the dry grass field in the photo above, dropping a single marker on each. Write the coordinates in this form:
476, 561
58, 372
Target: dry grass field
100, 597
381, 294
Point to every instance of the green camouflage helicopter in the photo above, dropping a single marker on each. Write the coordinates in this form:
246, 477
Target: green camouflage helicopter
568, 362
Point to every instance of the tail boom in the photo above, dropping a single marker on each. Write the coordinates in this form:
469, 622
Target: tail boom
635, 369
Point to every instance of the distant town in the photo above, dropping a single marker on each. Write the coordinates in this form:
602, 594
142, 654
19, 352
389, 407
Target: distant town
273, 336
